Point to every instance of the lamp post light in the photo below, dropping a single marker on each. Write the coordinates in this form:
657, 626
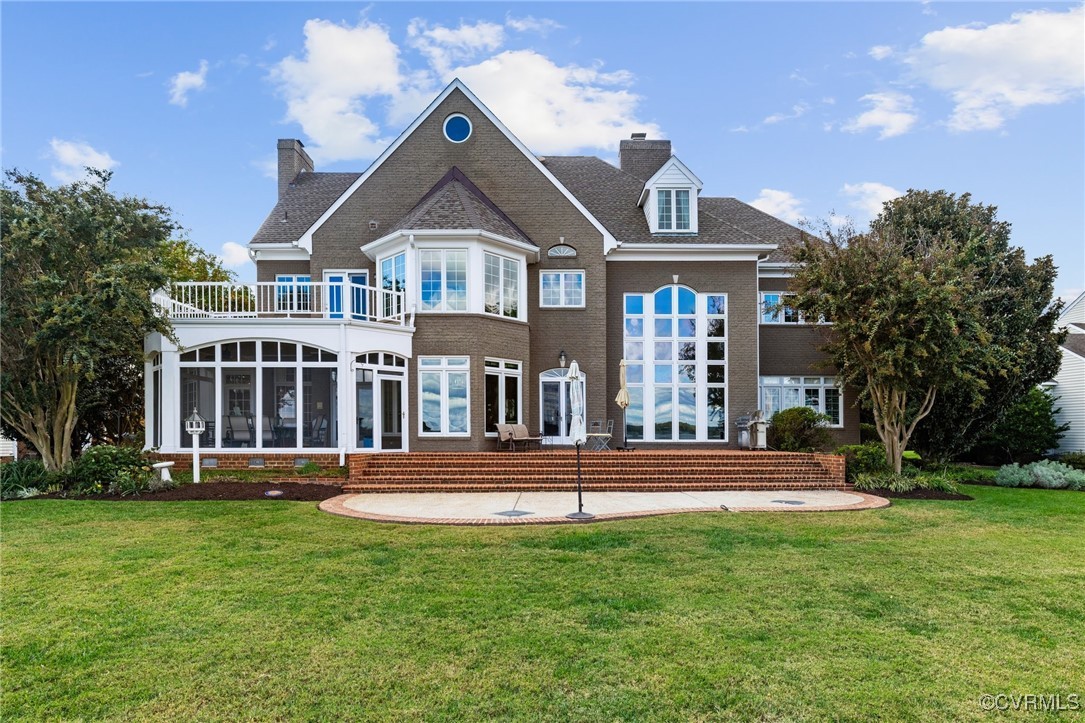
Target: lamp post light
195, 425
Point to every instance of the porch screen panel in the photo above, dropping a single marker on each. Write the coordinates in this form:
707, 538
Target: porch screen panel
239, 423
279, 422
198, 391
320, 402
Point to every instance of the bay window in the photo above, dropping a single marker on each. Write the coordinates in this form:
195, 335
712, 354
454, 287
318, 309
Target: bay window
501, 278
442, 279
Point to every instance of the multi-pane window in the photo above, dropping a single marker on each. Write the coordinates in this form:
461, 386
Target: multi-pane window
819, 393
393, 278
443, 279
561, 288
775, 309
503, 393
293, 293
676, 365
672, 209
501, 290
444, 396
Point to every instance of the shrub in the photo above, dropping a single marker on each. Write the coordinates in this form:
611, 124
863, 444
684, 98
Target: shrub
1045, 474
117, 470
904, 482
864, 459
799, 429
309, 468
1025, 433
868, 433
25, 478
157, 484
1074, 459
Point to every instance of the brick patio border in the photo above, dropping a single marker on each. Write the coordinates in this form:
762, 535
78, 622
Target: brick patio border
336, 506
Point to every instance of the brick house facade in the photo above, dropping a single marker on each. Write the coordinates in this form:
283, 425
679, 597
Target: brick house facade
446, 288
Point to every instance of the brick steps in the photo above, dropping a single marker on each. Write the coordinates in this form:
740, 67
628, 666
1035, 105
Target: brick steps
612, 471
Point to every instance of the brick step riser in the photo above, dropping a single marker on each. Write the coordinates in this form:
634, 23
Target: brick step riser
392, 469
612, 456
625, 487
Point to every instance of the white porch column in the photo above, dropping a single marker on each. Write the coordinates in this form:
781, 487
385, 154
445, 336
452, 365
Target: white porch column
171, 400
345, 396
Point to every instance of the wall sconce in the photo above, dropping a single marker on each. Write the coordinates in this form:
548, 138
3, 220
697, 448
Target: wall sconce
675, 277
561, 358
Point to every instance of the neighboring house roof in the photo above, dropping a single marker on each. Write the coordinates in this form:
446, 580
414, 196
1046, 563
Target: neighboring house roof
612, 194
456, 203
1075, 343
1078, 326
309, 196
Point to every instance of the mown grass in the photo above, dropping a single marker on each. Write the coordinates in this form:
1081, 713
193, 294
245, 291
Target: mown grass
273, 610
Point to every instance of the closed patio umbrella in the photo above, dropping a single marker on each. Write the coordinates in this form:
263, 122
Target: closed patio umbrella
578, 434
622, 400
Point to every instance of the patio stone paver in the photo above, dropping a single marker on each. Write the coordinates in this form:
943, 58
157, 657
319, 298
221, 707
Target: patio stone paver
483, 508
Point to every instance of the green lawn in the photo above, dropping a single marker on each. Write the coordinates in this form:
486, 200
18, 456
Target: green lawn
213, 610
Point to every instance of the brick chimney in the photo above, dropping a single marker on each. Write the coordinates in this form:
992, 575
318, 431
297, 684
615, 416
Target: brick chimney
641, 157
292, 160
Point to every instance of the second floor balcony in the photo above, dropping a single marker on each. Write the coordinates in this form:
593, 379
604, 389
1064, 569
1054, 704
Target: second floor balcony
343, 300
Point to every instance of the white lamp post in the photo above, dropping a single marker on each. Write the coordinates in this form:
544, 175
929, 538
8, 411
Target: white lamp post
195, 425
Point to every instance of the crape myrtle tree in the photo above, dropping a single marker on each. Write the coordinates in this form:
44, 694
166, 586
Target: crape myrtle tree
906, 321
1016, 306
79, 264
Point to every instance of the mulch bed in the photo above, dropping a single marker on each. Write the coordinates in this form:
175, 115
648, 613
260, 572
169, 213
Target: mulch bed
292, 491
917, 495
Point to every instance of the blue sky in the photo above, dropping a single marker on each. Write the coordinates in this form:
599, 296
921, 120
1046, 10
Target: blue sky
804, 109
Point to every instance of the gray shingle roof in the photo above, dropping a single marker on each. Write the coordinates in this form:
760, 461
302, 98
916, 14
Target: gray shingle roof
309, 195
456, 203
611, 196
1075, 343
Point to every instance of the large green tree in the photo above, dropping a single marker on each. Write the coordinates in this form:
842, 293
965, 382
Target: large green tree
1017, 309
79, 264
906, 321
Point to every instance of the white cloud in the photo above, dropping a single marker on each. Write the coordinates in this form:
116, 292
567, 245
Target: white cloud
991, 72
891, 112
268, 167
531, 24
324, 89
781, 204
352, 88
71, 158
869, 196
880, 52
187, 82
234, 255
1069, 294
797, 110
444, 46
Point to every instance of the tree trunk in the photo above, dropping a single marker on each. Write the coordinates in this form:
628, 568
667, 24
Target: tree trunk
890, 419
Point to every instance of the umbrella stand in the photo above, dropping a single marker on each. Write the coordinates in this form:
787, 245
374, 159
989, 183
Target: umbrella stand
580, 514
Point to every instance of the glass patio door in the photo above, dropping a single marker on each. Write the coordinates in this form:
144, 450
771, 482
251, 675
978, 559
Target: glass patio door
555, 407
345, 294
379, 409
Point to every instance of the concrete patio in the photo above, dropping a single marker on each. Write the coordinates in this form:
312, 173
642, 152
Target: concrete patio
519, 508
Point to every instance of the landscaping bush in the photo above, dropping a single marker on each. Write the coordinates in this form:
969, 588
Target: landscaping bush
904, 482
799, 429
1024, 434
868, 434
864, 459
102, 469
25, 478
1045, 474
1074, 459
966, 474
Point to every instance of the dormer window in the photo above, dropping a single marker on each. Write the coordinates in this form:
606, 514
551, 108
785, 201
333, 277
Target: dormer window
669, 199
673, 209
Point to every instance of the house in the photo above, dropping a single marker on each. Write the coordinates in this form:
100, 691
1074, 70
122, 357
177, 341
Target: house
1068, 386
417, 304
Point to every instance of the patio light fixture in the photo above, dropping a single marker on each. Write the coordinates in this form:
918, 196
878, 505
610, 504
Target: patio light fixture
561, 358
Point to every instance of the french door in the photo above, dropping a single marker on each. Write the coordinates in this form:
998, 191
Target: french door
346, 294
379, 410
555, 408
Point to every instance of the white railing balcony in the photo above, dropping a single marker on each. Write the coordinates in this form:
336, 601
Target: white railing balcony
283, 300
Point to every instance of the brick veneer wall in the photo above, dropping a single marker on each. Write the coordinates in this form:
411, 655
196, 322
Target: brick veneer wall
235, 460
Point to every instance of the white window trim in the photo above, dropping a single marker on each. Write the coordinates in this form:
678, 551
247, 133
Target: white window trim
561, 286
444, 368
654, 199
802, 385
779, 316
701, 362
521, 314
443, 307
501, 372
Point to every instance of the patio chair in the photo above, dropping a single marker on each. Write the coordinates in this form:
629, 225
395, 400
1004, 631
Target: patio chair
522, 436
268, 432
595, 427
610, 427
240, 433
318, 430
504, 437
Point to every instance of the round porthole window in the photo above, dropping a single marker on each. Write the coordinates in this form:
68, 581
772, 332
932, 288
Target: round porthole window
457, 128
